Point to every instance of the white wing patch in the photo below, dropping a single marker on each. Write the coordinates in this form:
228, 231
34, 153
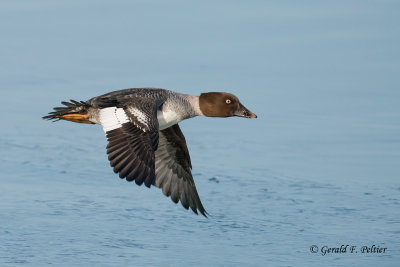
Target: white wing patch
112, 118
140, 116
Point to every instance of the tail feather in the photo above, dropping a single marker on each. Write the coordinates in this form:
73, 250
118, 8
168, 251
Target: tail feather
72, 107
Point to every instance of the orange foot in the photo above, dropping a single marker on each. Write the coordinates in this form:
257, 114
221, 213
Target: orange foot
79, 118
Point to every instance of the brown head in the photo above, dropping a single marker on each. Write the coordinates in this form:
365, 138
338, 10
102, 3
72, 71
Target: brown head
219, 104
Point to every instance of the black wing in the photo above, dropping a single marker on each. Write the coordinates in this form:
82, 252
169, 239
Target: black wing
173, 169
131, 153
132, 134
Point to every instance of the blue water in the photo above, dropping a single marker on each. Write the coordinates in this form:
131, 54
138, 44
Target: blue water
320, 166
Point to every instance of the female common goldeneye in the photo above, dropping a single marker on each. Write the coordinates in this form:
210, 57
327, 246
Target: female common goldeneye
145, 142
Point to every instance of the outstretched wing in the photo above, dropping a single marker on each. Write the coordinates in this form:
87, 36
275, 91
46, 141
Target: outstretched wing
173, 169
132, 134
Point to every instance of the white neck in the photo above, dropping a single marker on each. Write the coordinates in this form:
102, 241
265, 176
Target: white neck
177, 109
195, 102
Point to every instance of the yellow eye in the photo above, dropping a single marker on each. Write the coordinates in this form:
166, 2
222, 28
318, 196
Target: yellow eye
228, 101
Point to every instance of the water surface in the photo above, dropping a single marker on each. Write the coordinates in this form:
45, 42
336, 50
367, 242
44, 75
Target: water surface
320, 166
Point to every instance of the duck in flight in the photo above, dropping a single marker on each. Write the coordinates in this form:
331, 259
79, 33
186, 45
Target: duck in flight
145, 142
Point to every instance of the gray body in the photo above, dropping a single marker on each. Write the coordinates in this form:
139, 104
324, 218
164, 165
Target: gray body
172, 107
